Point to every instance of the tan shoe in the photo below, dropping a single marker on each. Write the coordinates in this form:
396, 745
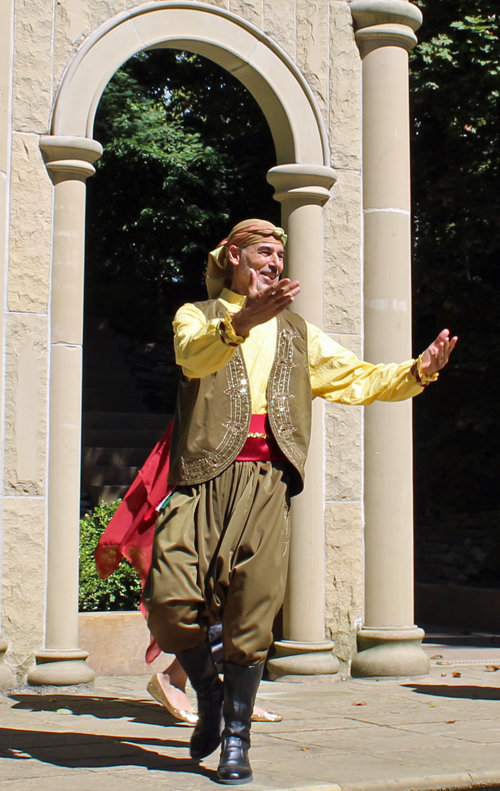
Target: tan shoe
261, 715
156, 690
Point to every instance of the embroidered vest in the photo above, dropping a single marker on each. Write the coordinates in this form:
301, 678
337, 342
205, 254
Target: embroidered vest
213, 413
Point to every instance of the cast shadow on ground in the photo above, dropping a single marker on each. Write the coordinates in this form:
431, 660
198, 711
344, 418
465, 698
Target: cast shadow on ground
459, 691
145, 712
87, 750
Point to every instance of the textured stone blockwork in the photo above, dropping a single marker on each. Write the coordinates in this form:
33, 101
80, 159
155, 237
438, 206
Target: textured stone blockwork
31, 228
23, 580
312, 47
279, 23
343, 256
344, 121
344, 574
32, 87
344, 452
26, 405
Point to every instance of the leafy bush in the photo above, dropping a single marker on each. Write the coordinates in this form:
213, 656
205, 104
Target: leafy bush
122, 590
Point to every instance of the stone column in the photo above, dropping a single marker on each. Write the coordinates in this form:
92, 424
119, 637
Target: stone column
302, 191
389, 643
69, 162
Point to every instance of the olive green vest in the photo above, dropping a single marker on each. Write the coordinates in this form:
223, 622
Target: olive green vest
213, 413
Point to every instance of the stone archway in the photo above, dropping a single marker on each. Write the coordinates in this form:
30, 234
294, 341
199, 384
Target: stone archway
302, 180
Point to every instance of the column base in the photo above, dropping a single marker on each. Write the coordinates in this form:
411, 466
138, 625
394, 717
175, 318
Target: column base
302, 659
6, 675
61, 668
390, 652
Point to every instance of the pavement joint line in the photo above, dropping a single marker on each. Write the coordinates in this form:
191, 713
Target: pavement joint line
462, 781
448, 662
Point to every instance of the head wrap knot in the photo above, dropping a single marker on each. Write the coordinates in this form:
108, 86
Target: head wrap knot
219, 268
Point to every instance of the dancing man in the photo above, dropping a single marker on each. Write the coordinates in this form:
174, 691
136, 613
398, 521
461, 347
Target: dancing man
250, 369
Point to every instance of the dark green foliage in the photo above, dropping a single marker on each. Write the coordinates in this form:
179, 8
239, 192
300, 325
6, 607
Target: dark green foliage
456, 199
122, 590
186, 151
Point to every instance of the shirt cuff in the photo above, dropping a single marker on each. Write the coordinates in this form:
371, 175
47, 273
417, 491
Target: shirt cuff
227, 333
422, 378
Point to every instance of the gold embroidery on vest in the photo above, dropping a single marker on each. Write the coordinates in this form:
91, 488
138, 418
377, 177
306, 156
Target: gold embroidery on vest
286, 529
279, 396
239, 418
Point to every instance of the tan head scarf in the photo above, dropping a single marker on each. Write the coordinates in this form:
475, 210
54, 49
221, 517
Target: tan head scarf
219, 273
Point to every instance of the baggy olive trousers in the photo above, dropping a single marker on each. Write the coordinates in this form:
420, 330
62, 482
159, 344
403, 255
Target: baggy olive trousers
221, 554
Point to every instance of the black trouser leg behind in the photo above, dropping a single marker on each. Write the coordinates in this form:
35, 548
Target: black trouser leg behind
202, 673
240, 689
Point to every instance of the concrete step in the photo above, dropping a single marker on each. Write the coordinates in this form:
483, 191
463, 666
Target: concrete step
106, 493
112, 400
115, 457
129, 420
110, 476
115, 380
120, 438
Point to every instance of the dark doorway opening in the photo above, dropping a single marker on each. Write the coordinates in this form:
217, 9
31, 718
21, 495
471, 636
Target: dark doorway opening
186, 152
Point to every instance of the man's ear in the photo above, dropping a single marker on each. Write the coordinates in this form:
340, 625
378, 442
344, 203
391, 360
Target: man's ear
234, 254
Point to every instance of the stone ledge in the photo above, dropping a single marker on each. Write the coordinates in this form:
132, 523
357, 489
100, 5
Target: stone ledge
457, 781
116, 642
458, 605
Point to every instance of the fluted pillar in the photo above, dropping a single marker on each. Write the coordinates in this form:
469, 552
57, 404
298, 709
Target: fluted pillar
389, 643
302, 191
69, 162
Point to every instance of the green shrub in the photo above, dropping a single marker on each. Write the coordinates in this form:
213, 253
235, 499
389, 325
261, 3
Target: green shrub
122, 590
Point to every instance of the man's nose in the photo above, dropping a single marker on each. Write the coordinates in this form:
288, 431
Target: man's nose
277, 261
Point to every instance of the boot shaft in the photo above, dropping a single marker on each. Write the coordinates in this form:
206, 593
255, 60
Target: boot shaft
199, 667
240, 690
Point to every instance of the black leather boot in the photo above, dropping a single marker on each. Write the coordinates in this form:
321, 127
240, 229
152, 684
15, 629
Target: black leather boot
202, 673
240, 688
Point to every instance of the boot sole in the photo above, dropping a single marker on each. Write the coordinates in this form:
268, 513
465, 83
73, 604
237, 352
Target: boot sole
235, 782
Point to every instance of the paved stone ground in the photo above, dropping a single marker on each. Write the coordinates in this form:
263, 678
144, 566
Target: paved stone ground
438, 731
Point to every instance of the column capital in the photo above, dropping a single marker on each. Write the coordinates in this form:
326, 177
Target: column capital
70, 157
307, 183
382, 23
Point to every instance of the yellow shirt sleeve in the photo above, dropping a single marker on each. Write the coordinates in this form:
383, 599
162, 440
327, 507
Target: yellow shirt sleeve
338, 375
202, 347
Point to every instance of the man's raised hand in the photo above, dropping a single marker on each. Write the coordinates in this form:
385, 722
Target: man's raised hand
438, 353
264, 304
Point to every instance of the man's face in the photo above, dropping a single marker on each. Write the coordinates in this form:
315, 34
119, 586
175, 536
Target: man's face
266, 258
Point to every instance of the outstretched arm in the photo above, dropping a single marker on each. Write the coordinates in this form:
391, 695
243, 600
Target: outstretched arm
436, 355
338, 375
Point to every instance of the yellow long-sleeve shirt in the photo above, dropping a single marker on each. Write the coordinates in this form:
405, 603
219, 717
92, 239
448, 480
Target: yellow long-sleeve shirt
336, 374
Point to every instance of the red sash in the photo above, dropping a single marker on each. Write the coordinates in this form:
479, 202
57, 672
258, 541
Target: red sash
260, 444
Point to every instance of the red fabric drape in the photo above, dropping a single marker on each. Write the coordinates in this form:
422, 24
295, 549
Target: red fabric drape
130, 532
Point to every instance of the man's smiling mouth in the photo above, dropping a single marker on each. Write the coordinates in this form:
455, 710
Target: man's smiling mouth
270, 277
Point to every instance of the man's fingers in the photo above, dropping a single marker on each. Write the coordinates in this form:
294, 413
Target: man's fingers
283, 288
440, 350
280, 302
253, 282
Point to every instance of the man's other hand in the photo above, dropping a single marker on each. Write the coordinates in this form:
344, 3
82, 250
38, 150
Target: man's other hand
438, 353
264, 304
